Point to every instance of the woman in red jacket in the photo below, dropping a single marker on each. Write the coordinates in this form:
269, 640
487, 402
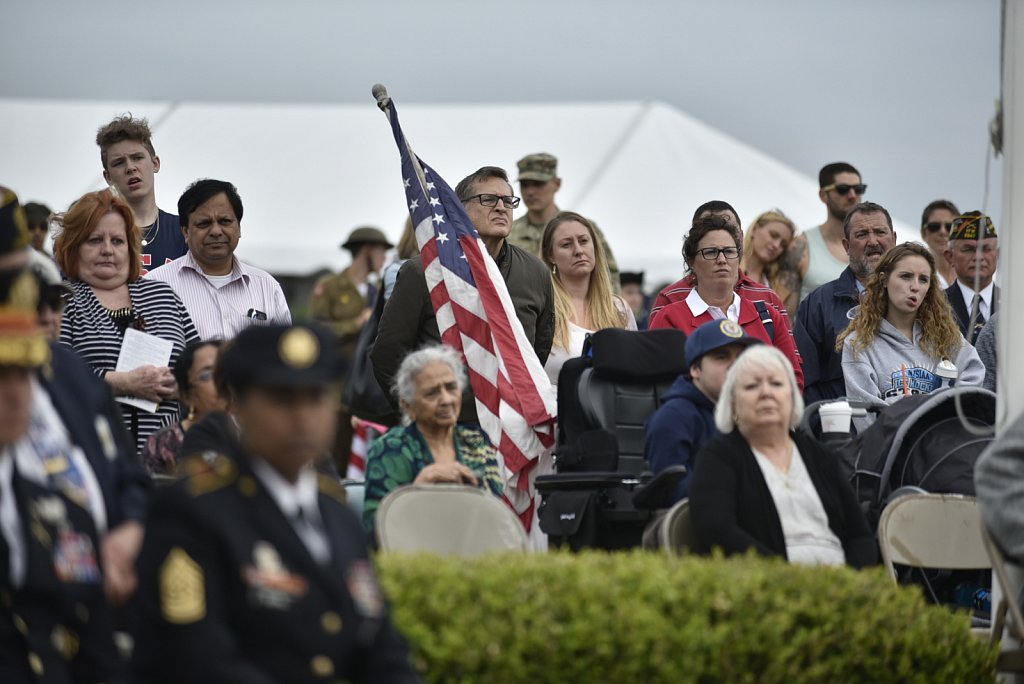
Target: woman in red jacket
712, 252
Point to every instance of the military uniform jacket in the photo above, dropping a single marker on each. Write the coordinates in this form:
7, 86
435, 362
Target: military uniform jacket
229, 593
337, 303
56, 626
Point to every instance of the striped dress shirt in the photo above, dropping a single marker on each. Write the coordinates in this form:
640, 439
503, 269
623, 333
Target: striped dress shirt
223, 312
89, 330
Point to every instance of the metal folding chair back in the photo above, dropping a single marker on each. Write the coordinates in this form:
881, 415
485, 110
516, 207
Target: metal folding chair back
932, 531
447, 519
676, 535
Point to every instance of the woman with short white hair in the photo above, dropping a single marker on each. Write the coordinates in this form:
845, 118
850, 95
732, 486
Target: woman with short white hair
429, 447
763, 485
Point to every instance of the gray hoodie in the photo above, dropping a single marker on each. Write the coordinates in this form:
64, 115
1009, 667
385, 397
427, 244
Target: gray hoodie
877, 375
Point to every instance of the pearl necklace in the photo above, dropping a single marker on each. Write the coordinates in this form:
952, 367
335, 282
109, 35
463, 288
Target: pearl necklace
147, 239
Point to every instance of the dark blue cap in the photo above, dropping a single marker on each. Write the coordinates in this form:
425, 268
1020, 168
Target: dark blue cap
715, 335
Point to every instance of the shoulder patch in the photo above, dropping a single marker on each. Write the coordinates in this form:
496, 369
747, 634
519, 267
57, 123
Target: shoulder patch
207, 472
332, 488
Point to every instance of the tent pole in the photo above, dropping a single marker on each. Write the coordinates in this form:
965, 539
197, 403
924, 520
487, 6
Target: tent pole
1011, 318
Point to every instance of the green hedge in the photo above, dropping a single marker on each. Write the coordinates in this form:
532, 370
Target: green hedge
645, 618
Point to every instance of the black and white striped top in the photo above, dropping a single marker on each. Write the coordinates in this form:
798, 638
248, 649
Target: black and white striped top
89, 330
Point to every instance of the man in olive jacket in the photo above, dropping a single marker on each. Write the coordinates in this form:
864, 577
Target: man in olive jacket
408, 321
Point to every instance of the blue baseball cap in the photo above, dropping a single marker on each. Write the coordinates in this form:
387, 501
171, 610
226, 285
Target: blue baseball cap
715, 335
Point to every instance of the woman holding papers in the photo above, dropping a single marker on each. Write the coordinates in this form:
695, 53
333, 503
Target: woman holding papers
904, 339
129, 330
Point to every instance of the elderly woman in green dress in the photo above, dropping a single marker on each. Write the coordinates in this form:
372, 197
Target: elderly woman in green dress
429, 447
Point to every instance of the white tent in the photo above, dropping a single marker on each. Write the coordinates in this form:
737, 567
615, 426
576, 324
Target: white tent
308, 174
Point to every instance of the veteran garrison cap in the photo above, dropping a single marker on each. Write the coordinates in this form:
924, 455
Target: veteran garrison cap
366, 235
715, 335
21, 341
281, 356
538, 167
972, 226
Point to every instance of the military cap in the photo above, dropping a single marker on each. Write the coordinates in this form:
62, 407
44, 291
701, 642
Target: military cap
21, 341
538, 167
972, 226
631, 278
281, 356
366, 235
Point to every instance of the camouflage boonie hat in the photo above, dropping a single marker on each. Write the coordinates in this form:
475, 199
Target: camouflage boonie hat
538, 167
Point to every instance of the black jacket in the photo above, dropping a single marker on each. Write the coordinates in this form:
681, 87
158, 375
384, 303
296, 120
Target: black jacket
408, 321
229, 593
93, 421
55, 627
733, 509
963, 312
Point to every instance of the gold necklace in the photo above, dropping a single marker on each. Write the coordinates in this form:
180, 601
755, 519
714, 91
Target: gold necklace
147, 239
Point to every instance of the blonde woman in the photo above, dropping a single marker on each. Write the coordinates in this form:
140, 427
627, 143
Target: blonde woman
766, 241
584, 302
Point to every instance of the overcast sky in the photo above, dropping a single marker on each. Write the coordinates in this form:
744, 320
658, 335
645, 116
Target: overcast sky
903, 89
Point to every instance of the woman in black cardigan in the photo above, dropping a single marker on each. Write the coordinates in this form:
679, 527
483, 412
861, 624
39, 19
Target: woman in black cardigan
763, 486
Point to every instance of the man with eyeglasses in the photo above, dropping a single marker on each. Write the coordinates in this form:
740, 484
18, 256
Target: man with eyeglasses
817, 256
973, 251
538, 183
826, 312
408, 321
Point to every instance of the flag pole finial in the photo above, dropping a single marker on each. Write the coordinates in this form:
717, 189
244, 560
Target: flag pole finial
381, 94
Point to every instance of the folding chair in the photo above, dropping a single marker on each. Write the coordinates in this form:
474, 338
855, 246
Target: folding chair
354, 493
1012, 659
447, 519
932, 531
676, 534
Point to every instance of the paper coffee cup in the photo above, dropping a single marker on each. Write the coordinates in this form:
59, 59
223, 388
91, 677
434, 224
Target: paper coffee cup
835, 417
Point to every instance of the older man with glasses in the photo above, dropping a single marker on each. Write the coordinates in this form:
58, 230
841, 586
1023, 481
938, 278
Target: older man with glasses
973, 251
817, 256
408, 322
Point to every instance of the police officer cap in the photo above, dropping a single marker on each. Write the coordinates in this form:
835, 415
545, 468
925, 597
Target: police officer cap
281, 356
366, 235
715, 335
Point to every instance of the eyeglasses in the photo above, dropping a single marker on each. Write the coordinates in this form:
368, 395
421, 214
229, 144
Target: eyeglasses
38, 226
203, 376
510, 201
845, 188
711, 253
936, 226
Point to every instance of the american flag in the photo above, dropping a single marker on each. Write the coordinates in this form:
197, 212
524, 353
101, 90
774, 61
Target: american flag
515, 401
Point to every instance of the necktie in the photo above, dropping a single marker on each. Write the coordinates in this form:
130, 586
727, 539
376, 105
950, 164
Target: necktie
310, 531
977, 317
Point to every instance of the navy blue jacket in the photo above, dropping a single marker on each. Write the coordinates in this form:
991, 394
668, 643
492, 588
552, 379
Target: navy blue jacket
677, 430
820, 319
93, 421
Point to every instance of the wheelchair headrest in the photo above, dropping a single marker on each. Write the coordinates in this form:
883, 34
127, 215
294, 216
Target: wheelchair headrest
638, 356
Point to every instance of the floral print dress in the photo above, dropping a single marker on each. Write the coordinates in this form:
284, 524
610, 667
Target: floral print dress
397, 457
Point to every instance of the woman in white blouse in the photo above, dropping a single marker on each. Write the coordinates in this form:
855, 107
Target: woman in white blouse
763, 485
584, 301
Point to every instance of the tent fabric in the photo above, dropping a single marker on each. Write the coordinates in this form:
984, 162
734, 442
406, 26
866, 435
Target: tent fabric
308, 173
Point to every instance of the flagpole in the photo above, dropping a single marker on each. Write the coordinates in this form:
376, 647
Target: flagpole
380, 93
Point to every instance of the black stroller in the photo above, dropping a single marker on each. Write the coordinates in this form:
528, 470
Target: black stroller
924, 443
602, 495
921, 442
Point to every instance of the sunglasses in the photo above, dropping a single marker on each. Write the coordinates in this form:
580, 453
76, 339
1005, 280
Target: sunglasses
844, 188
936, 226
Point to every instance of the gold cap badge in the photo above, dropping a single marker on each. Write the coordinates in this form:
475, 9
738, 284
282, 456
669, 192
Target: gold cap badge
299, 348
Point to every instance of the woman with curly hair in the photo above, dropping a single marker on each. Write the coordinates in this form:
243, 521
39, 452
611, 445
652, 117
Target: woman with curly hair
764, 244
903, 330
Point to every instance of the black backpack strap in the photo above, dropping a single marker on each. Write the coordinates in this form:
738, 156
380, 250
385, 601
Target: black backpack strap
766, 318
